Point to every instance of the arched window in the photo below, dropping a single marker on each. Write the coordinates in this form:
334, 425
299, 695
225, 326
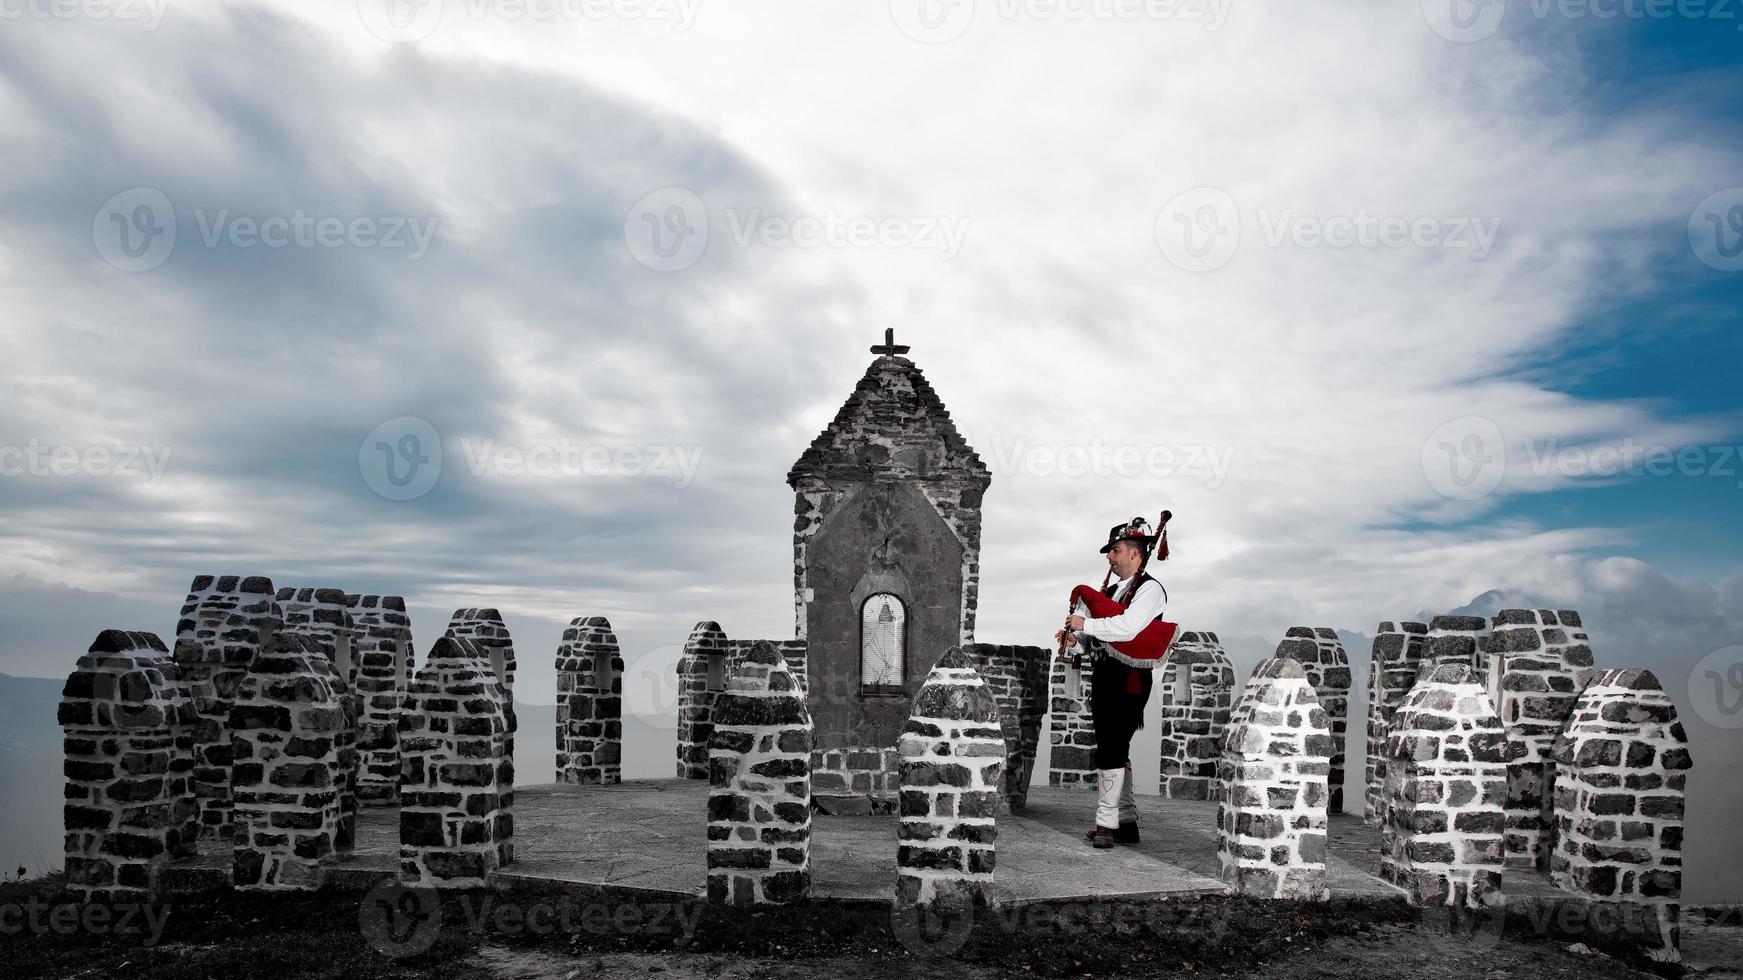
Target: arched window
883, 634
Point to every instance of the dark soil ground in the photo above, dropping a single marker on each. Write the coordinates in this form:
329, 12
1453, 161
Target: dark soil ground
399, 933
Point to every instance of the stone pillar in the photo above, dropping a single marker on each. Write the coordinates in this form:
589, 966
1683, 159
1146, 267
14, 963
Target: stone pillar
589, 704
1196, 688
1539, 662
130, 805
456, 822
1392, 668
759, 804
1271, 825
1621, 769
485, 628
384, 663
952, 752
321, 614
1070, 735
1017, 678
1328, 670
225, 621
701, 677
285, 771
1458, 640
1446, 778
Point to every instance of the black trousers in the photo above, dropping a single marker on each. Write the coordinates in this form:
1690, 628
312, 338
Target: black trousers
1114, 712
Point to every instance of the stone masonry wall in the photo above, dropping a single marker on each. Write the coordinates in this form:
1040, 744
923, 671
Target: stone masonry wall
130, 805
485, 627
286, 776
1328, 670
1458, 640
952, 757
383, 666
1271, 824
224, 622
1399, 649
1539, 661
589, 704
1017, 678
456, 820
1621, 772
701, 677
322, 615
759, 802
1196, 688
1446, 780
1070, 735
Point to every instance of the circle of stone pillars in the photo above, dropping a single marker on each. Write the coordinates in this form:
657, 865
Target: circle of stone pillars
456, 818
1196, 688
589, 704
384, 665
285, 775
701, 678
1328, 670
1458, 640
1446, 778
759, 801
130, 805
1621, 767
1070, 732
321, 614
952, 753
224, 622
1271, 822
1392, 670
1538, 663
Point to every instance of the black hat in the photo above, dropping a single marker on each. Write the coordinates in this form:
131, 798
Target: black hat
1137, 531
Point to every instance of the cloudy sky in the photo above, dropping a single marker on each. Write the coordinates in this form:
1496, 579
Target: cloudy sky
1400, 307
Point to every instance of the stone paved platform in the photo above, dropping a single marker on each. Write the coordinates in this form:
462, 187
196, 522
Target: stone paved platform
648, 835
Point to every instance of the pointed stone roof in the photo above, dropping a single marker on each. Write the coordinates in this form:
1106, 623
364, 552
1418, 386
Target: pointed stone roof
893, 427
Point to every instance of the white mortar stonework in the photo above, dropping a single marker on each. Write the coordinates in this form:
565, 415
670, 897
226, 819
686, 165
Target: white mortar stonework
384, 666
1070, 732
1621, 772
485, 628
286, 721
1196, 689
457, 778
1457, 640
1271, 824
1017, 678
1328, 670
130, 806
589, 704
1393, 666
1446, 782
224, 622
701, 677
759, 802
952, 761
322, 615
1539, 661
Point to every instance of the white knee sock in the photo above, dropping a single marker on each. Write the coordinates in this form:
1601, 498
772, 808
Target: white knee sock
1128, 805
1111, 782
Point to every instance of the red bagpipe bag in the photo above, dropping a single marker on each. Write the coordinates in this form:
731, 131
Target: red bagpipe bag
1145, 650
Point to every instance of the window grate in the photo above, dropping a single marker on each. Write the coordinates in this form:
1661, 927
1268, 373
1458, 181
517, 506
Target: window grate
883, 629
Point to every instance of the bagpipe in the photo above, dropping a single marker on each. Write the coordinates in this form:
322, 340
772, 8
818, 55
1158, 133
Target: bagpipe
1150, 647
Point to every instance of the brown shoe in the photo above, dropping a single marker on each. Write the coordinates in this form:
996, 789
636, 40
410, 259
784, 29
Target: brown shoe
1126, 834
1101, 838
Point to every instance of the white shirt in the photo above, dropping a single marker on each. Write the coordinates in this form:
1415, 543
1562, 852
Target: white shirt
1147, 605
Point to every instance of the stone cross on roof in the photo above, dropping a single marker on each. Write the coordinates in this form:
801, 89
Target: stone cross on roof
889, 346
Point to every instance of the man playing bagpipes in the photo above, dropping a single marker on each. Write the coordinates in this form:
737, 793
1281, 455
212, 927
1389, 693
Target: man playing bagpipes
1120, 628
